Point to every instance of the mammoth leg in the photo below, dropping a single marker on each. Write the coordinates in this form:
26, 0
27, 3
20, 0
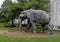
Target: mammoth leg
28, 27
34, 26
33, 23
50, 31
20, 26
43, 28
19, 23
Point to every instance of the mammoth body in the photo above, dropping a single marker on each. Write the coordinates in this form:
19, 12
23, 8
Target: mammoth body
36, 16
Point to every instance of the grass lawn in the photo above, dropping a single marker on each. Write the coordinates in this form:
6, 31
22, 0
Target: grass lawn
7, 38
6, 28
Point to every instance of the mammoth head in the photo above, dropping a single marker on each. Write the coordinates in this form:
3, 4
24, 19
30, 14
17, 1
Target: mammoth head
23, 15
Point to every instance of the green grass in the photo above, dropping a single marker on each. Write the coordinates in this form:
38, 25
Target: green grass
6, 28
2, 27
4, 38
7, 38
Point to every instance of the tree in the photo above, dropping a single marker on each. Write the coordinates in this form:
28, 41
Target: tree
6, 9
12, 10
35, 4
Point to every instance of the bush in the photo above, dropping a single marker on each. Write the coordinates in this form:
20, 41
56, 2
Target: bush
7, 24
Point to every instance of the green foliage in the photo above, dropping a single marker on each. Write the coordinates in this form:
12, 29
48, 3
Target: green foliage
7, 25
6, 9
35, 4
10, 10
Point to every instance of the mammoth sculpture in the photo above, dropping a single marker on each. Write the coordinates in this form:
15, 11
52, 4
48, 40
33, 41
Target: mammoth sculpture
35, 16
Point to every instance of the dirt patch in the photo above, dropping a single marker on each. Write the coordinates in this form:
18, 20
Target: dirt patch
25, 34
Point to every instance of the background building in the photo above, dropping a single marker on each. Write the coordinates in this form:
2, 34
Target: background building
55, 14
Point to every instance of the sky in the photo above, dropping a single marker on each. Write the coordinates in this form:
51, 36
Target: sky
1, 2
